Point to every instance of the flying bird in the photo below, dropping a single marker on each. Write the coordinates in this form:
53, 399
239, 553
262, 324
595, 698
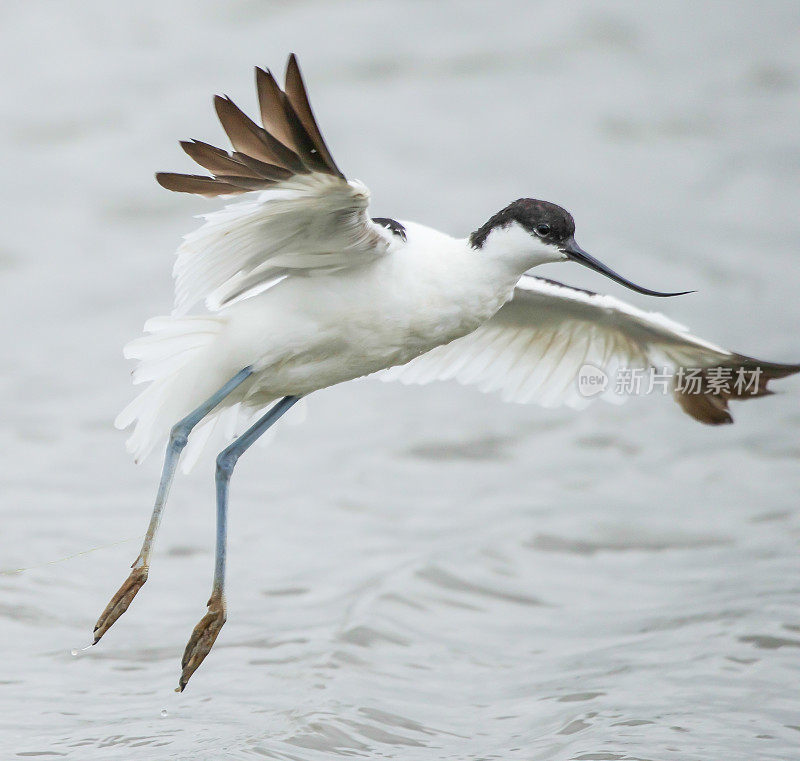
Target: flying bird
303, 289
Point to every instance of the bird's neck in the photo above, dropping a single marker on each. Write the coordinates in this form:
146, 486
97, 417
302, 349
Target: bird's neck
481, 280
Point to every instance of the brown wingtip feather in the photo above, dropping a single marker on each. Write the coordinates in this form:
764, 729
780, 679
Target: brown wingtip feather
215, 159
290, 142
297, 94
267, 171
273, 115
708, 400
279, 118
193, 183
247, 137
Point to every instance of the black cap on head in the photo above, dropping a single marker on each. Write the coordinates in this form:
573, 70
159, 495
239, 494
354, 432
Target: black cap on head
547, 220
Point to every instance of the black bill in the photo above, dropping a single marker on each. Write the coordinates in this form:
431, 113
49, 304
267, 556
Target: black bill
577, 254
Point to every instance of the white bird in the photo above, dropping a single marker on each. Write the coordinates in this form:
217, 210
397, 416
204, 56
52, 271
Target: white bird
303, 290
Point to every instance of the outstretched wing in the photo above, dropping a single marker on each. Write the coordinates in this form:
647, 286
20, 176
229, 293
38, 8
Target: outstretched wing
307, 216
537, 345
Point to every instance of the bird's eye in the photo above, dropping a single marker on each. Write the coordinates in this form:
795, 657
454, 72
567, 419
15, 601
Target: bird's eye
543, 229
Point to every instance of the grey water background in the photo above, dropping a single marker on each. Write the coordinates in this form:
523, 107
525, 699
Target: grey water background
415, 573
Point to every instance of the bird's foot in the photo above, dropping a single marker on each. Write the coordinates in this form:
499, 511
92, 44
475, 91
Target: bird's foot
120, 601
202, 639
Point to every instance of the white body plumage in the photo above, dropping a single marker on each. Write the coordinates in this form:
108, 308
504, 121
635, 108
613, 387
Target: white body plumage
311, 332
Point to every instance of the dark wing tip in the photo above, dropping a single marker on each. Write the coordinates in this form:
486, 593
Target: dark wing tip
705, 408
248, 138
195, 183
746, 378
221, 102
293, 69
289, 143
297, 95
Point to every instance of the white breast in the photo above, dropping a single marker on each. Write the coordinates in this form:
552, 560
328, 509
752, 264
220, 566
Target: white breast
309, 333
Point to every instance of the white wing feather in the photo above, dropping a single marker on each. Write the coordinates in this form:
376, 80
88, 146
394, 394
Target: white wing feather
533, 349
310, 223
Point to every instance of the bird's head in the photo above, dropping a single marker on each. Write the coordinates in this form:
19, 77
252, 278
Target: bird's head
530, 232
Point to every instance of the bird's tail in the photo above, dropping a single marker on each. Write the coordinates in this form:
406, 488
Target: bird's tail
170, 359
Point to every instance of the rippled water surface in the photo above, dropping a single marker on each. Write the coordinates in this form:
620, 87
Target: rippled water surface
415, 573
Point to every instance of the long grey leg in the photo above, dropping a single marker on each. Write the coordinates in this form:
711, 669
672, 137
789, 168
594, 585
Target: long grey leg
205, 633
178, 438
